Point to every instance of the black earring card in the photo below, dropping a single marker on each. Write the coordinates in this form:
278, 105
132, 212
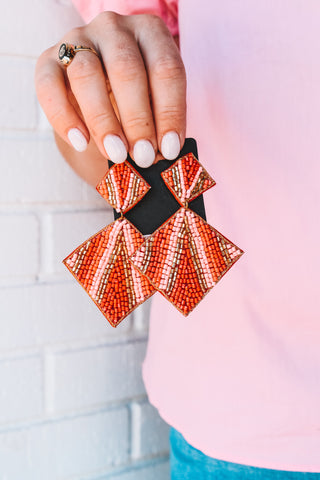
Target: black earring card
159, 204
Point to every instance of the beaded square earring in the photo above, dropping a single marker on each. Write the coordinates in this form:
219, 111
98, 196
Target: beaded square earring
101, 264
185, 257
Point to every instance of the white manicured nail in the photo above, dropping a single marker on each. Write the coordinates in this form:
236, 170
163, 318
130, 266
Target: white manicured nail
77, 139
115, 148
143, 153
170, 145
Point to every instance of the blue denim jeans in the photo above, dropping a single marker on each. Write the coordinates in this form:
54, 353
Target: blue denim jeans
188, 463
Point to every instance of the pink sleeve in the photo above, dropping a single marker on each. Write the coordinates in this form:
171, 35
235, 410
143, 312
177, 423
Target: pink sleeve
166, 9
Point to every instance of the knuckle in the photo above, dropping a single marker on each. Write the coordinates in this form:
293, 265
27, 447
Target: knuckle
151, 25
172, 113
56, 115
138, 121
156, 20
126, 66
99, 120
152, 20
75, 33
106, 19
83, 67
169, 67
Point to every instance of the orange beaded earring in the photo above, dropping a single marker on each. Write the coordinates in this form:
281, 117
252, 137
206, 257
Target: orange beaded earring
185, 257
101, 264
182, 259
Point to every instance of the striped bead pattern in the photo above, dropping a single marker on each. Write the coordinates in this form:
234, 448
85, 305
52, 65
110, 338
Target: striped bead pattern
187, 179
122, 187
185, 258
101, 265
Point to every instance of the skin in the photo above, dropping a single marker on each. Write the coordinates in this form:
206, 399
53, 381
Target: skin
142, 97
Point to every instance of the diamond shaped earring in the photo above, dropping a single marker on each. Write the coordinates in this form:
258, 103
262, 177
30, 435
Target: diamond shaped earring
101, 264
185, 257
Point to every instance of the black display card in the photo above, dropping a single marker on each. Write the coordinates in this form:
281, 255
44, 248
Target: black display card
159, 203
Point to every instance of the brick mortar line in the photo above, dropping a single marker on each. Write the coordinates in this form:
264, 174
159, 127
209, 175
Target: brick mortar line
127, 338
20, 129
44, 351
22, 281
34, 281
19, 56
66, 416
20, 353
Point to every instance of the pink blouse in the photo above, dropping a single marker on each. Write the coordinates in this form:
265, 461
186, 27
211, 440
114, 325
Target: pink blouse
240, 376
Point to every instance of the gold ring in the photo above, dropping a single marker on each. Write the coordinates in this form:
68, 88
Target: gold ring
67, 52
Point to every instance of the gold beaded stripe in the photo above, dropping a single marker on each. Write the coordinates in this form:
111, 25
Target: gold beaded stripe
185, 258
80, 257
122, 187
187, 179
101, 265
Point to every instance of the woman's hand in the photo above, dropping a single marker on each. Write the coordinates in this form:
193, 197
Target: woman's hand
132, 99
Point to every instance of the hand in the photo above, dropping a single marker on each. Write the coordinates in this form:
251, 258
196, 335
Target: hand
131, 99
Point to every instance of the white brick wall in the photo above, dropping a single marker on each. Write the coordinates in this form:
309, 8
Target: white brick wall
19, 245
21, 375
95, 375
72, 399
64, 448
17, 93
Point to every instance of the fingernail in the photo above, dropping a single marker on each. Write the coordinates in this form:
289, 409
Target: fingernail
115, 148
143, 153
77, 139
170, 145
